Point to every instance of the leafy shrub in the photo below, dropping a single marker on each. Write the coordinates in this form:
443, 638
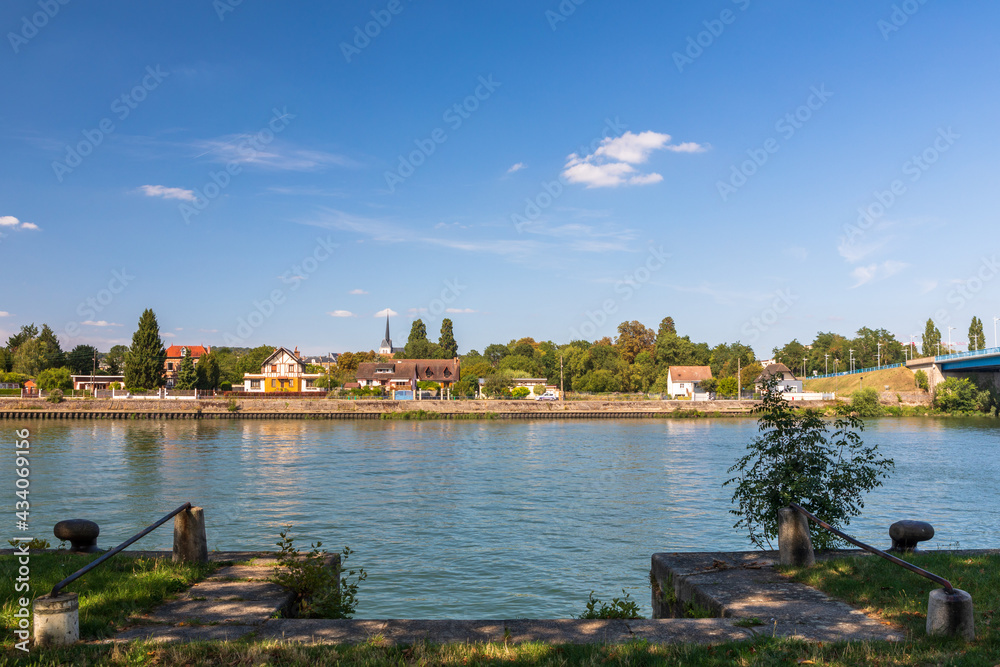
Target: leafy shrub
55, 378
226, 386
617, 608
115, 385
55, 396
520, 392
36, 543
794, 461
232, 406
314, 582
920, 378
960, 395
865, 402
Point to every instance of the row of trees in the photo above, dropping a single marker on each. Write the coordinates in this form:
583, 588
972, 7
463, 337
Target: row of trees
869, 348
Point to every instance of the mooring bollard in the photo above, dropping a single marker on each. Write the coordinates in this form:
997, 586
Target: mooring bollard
57, 619
190, 542
794, 545
950, 614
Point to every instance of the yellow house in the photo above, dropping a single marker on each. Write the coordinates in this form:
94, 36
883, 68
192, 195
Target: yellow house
283, 371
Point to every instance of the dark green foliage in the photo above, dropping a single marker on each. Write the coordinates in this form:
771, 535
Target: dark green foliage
115, 359
960, 395
495, 353
920, 378
794, 461
447, 340
81, 360
417, 332
54, 356
208, 371
977, 339
145, 357
56, 396
27, 332
187, 376
497, 385
930, 340
617, 608
314, 582
866, 403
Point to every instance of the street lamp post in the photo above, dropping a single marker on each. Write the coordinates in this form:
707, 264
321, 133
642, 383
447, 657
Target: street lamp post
950, 329
803, 366
852, 360
879, 357
836, 382
912, 336
826, 364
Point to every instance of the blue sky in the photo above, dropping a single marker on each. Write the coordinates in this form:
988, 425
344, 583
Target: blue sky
264, 173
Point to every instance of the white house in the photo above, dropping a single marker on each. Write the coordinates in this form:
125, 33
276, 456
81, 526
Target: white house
684, 380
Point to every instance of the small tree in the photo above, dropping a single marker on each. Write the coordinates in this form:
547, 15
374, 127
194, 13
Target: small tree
187, 376
920, 378
145, 357
794, 461
55, 378
726, 387
866, 403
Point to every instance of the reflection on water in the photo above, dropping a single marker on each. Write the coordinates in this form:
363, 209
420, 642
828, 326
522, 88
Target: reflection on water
479, 519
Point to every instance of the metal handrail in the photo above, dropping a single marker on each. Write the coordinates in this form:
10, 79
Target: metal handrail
90, 566
878, 552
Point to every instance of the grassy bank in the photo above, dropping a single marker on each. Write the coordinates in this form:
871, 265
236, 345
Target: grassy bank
109, 595
899, 379
895, 595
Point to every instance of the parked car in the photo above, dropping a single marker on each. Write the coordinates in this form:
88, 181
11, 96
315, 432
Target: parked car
547, 396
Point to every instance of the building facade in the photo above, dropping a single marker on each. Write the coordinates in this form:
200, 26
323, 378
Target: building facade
175, 355
283, 371
684, 380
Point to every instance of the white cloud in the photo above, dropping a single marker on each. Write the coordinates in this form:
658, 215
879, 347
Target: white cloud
341, 313
417, 311
277, 155
460, 310
208, 330
612, 164
927, 285
4, 313
875, 272
100, 323
13, 223
167, 334
167, 193
517, 167
388, 311
357, 292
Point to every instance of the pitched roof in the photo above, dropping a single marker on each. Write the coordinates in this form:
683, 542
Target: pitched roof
174, 351
438, 370
775, 369
690, 373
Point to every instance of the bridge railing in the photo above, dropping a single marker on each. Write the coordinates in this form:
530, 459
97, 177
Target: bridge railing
966, 355
854, 372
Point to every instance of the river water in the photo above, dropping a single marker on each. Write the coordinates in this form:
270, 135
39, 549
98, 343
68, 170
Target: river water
487, 519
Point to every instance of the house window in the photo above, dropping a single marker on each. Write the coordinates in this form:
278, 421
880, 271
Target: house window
255, 384
273, 383
274, 369
170, 366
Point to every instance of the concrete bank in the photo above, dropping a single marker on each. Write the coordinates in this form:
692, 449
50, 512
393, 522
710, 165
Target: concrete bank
32, 409
745, 586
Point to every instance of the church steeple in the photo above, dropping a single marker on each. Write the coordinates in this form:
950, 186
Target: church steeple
386, 346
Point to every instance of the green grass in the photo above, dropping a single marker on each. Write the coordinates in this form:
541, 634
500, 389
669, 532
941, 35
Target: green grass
900, 597
763, 651
119, 588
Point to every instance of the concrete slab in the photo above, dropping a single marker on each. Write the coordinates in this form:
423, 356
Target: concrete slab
186, 633
251, 572
235, 590
242, 612
745, 585
559, 631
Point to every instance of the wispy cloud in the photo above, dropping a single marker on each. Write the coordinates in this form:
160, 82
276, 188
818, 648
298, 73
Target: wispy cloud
4, 313
168, 334
305, 191
388, 311
357, 292
208, 330
613, 163
460, 310
10, 222
927, 285
341, 313
244, 149
875, 272
517, 167
167, 192
100, 323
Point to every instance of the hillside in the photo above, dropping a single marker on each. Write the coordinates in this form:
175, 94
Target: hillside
899, 379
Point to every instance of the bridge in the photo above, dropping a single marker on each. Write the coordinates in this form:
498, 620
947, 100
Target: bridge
978, 364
